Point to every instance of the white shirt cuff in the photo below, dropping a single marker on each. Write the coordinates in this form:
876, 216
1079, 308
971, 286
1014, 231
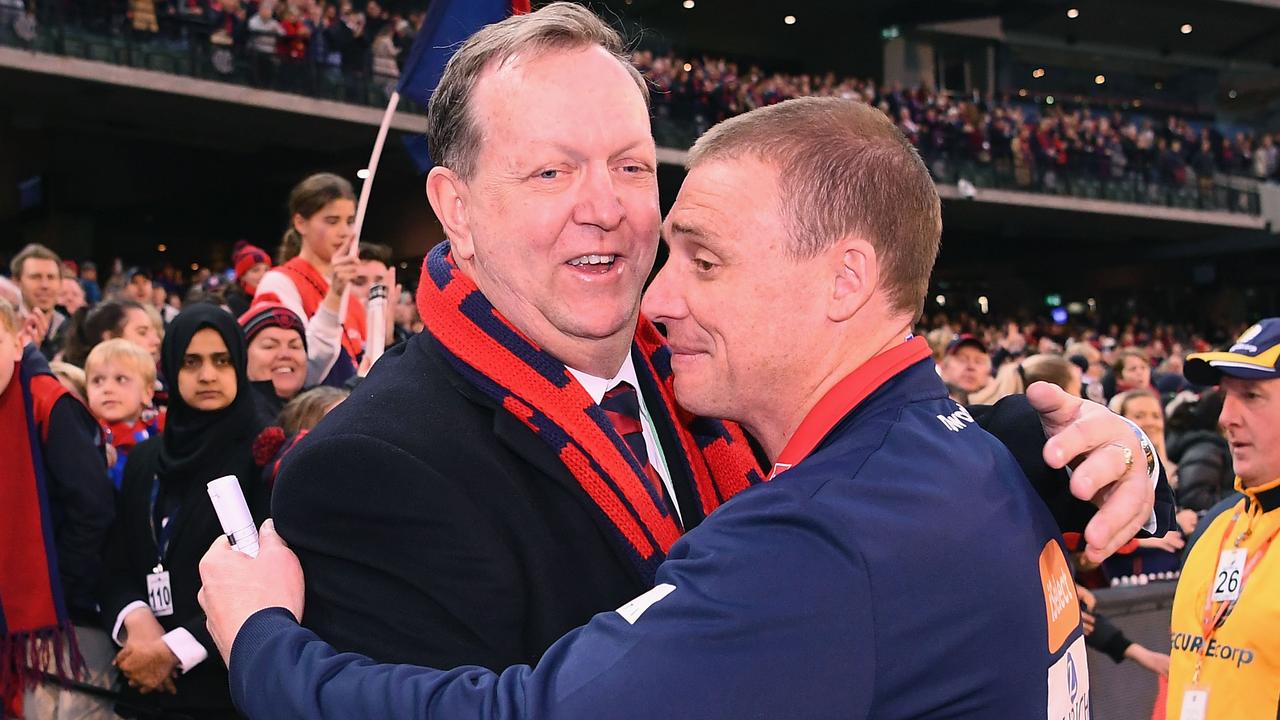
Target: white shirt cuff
118, 632
186, 648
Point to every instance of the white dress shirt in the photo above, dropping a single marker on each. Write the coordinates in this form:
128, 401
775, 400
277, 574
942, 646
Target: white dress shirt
597, 387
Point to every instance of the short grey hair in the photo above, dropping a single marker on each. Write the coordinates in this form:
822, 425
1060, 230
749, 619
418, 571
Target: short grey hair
453, 137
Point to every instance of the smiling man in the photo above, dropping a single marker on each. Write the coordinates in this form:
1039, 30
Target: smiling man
522, 465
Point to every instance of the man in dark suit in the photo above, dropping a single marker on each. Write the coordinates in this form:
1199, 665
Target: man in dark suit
520, 465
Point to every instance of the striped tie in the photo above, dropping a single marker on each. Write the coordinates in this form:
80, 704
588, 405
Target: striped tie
622, 406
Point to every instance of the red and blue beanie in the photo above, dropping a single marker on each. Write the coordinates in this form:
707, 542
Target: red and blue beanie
266, 315
245, 256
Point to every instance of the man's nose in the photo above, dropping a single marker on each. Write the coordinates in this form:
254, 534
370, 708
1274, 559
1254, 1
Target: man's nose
664, 300
598, 201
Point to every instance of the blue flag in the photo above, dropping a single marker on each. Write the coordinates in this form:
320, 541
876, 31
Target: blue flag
447, 25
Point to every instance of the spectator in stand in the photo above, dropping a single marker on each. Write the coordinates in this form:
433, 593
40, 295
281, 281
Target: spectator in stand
1204, 472
385, 54
408, 323
277, 356
264, 34
38, 272
57, 503
315, 268
966, 367
138, 286
298, 417
89, 281
251, 263
71, 294
1131, 370
112, 319
1106, 638
120, 380
375, 268
72, 378
167, 656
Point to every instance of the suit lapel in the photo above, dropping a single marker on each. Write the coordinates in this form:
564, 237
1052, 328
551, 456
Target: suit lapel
525, 444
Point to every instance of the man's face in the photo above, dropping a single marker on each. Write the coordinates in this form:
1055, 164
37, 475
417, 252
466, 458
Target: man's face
370, 272
40, 281
139, 289
1251, 418
743, 319
968, 368
563, 210
71, 295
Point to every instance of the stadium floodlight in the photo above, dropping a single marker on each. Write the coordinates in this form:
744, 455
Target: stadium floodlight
1186, 28
790, 19
1099, 79
1232, 94
162, 247
1048, 100
362, 173
1037, 73
1073, 13
688, 4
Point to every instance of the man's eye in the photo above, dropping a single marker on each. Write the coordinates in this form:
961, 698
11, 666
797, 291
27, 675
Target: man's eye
549, 174
703, 265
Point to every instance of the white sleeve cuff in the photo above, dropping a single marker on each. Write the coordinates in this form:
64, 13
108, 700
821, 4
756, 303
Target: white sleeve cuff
118, 632
186, 648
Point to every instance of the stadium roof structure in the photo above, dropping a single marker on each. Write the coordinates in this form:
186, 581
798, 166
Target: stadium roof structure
1232, 40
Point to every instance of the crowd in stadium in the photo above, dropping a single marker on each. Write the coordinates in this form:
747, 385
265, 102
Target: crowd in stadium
1008, 132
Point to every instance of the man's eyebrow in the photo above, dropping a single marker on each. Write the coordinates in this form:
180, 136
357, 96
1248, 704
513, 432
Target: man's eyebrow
683, 229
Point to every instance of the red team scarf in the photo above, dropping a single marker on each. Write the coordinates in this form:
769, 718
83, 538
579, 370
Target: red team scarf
35, 630
495, 357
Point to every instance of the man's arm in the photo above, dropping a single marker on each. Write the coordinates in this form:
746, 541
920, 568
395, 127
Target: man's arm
1108, 502
400, 563
691, 647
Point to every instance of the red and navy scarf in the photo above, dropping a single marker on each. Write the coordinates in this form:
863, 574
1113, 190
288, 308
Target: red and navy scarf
35, 630
495, 357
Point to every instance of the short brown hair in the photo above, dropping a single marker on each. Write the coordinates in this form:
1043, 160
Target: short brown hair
1053, 369
452, 133
843, 168
33, 250
1117, 363
375, 251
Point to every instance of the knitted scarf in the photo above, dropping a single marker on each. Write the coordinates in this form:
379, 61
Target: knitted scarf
35, 630
495, 357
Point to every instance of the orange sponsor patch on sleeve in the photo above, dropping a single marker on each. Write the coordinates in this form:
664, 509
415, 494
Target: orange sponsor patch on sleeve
1061, 606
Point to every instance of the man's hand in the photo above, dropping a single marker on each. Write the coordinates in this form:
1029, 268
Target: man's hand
237, 586
35, 326
149, 665
1079, 430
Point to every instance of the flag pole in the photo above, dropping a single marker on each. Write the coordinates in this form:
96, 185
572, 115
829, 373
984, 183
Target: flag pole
363, 204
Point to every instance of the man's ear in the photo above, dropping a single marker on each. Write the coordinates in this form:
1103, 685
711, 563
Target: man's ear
856, 277
448, 194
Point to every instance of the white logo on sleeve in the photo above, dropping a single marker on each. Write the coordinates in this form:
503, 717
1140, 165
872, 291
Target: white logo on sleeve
1069, 685
632, 611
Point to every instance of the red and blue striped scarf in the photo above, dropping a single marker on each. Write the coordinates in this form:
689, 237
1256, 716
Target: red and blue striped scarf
495, 357
36, 633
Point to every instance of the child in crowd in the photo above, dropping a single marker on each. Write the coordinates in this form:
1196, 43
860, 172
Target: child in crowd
121, 379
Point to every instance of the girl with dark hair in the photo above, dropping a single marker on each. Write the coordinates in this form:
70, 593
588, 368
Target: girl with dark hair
165, 523
315, 268
108, 320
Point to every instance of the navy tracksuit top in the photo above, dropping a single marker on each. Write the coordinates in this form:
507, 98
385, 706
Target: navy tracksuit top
904, 569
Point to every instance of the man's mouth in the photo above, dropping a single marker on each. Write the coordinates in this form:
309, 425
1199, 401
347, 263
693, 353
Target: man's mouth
599, 264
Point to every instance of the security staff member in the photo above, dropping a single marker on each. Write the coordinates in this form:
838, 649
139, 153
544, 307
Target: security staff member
1225, 661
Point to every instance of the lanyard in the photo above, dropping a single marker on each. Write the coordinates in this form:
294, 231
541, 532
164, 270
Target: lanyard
844, 397
1212, 618
164, 533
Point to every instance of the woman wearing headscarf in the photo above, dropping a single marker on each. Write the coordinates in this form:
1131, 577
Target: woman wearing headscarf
166, 522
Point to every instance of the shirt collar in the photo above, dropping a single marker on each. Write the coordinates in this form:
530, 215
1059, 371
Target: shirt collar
596, 387
1267, 495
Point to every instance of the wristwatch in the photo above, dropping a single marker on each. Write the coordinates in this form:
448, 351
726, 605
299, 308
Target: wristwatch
1153, 467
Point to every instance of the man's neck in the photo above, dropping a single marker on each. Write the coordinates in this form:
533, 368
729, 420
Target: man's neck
1251, 482
776, 428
